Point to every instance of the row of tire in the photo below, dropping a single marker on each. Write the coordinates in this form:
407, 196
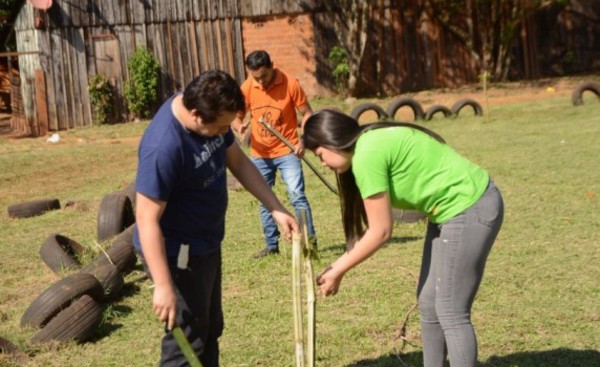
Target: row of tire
72, 308
419, 113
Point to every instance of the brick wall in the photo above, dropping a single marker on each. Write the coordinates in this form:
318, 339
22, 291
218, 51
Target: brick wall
290, 42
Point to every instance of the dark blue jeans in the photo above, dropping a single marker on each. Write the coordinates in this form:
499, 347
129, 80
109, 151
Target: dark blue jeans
199, 310
453, 262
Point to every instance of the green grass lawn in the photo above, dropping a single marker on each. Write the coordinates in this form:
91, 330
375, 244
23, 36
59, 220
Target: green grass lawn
538, 304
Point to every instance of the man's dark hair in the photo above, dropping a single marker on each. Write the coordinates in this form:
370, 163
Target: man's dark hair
258, 59
211, 93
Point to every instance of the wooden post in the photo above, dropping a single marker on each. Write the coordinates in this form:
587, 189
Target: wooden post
41, 104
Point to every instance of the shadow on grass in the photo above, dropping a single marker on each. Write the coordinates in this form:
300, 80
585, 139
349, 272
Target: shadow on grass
109, 325
393, 241
130, 289
562, 357
115, 311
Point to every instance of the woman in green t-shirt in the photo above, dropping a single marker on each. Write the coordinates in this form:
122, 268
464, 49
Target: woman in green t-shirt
398, 165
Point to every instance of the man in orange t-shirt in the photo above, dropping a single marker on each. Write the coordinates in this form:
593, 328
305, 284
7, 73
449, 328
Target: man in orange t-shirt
274, 97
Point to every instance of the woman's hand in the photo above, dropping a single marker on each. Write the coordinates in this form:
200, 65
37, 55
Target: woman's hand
329, 282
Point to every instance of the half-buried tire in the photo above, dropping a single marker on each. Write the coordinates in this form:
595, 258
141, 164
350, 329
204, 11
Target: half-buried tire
362, 108
461, 103
400, 102
577, 95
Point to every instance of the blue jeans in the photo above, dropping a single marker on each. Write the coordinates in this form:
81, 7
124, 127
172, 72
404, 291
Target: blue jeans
290, 168
454, 259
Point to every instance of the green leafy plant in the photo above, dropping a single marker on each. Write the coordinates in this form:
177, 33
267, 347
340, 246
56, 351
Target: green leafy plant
141, 89
102, 98
338, 57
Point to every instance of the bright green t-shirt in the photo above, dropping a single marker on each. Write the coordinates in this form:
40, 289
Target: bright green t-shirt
417, 171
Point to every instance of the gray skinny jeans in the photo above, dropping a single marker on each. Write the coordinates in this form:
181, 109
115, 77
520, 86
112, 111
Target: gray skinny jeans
452, 268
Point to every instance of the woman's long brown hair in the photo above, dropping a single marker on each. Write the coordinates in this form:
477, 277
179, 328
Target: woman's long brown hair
337, 131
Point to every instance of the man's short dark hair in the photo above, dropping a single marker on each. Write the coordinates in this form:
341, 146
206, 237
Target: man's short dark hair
257, 59
211, 93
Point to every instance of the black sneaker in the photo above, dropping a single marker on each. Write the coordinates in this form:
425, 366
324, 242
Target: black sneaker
265, 252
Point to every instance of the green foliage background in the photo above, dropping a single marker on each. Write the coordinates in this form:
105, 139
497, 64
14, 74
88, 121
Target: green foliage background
141, 89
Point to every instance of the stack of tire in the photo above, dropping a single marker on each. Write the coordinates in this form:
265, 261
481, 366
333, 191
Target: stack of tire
72, 308
419, 113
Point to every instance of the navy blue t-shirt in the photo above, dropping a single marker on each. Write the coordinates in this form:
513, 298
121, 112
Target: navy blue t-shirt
188, 171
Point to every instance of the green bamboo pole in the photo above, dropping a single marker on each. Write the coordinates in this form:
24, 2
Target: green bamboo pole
309, 253
186, 348
297, 299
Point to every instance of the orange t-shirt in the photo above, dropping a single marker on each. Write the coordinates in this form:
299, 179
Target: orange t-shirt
277, 106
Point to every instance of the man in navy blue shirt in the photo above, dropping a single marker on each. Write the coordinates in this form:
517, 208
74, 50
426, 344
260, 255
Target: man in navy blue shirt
180, 208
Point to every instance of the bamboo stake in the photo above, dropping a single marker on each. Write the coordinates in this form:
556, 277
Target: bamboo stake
297, 299
309, 254
186, 348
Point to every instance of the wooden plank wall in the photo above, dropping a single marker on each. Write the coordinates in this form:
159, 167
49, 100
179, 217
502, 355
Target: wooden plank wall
83, 38
24, 118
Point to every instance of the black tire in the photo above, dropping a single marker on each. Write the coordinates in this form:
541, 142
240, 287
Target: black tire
120, 253
577, 95
58, 296
32, 208
6, 347
114, 215
407, 216
110, 278
458, 105
433, 109
400, 102
362, 108
60, 253
130, 192
76, 322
